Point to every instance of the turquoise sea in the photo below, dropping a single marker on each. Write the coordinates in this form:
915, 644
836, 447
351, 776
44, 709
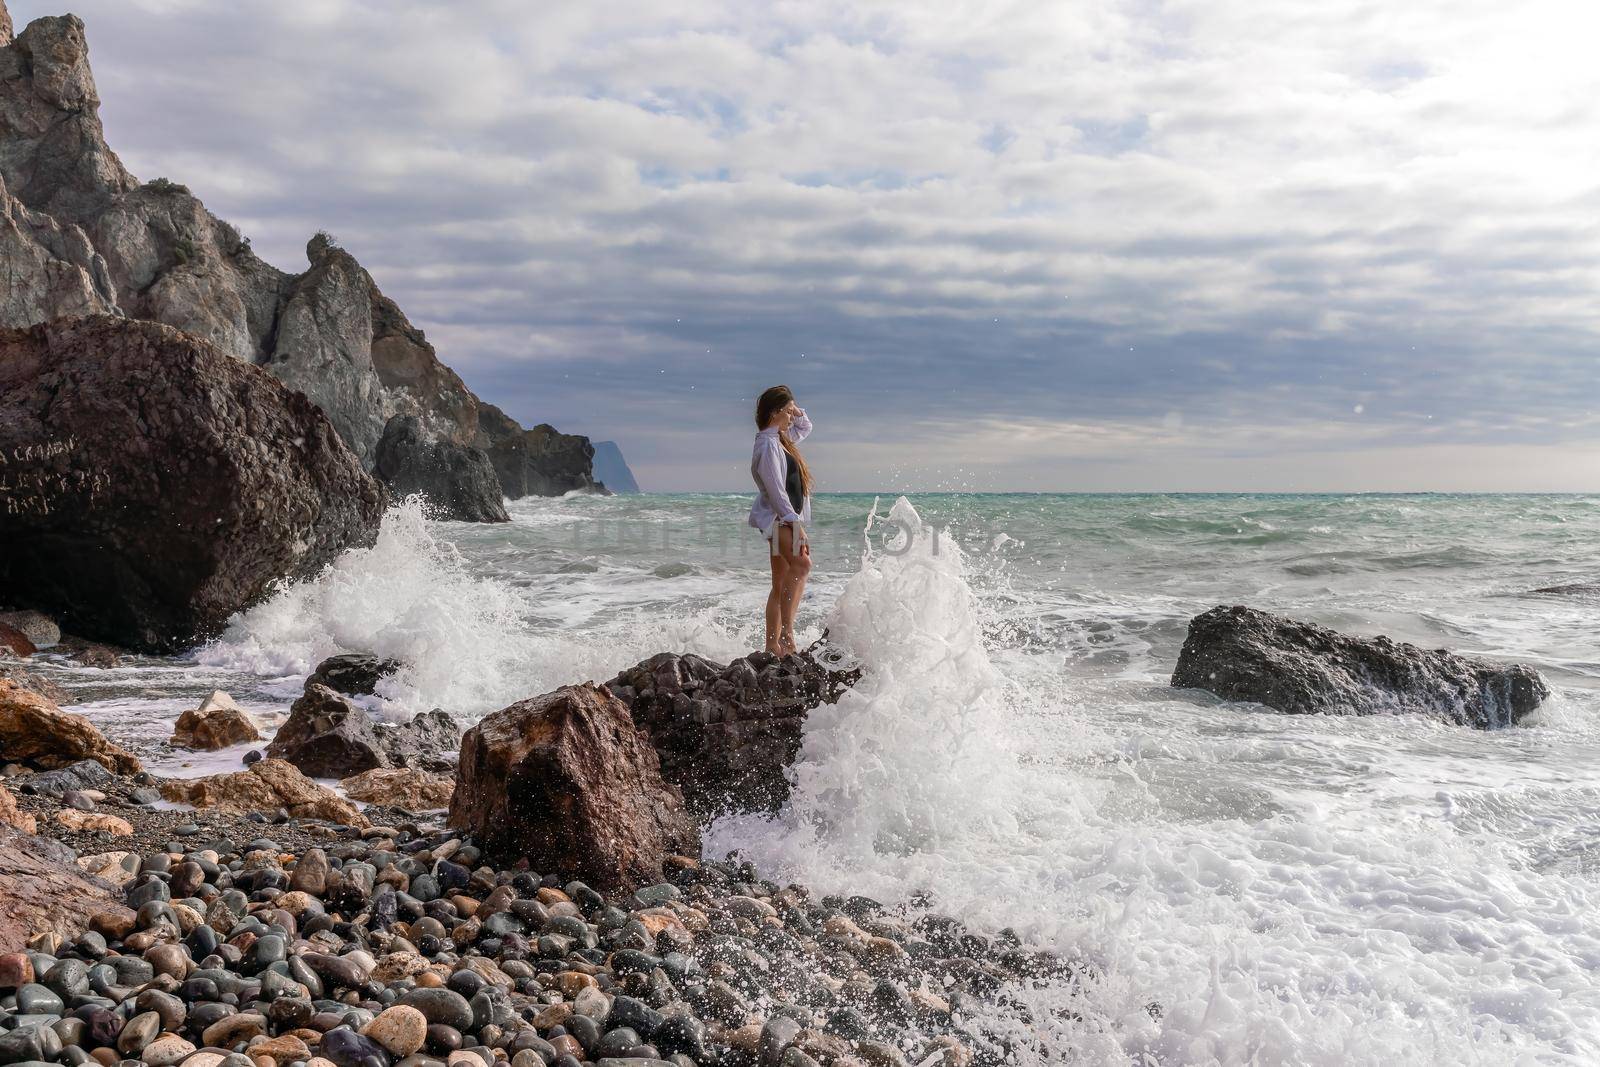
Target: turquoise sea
1249, 887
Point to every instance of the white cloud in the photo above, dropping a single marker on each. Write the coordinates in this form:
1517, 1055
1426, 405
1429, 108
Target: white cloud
1082, 216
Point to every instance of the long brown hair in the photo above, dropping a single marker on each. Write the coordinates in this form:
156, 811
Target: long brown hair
769, 403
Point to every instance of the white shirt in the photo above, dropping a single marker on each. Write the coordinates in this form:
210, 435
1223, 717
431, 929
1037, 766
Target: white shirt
767, 467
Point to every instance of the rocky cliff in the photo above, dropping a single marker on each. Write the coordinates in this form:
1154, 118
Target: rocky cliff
79, 235
612, 469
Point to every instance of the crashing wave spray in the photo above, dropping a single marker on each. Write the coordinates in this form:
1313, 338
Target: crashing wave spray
410, 598
917, 751
912, 782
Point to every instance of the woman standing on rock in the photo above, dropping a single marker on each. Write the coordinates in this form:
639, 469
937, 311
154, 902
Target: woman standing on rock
782, 508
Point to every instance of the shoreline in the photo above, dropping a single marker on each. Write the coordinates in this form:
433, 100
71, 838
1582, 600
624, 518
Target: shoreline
714, 966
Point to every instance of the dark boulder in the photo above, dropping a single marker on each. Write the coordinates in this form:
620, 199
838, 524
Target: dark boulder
353, 673
537, 462
727, 735
327, 736
1243, 654
458, 480
152, 485
567, 781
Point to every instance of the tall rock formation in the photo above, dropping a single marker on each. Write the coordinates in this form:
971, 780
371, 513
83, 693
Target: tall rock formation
79, 236
539, 462
611, 469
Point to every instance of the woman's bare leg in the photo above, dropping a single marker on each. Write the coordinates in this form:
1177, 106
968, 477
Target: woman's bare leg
798, 558
780, 581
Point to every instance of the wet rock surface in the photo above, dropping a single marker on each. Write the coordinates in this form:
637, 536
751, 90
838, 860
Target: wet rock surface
1240, 653
15, 670
13, 642
156, 485
36, 626
352, 673
567, 780
404, 787
727, 735
267, 785
217, 723
44, 891
457, 480
32, 728
329, 736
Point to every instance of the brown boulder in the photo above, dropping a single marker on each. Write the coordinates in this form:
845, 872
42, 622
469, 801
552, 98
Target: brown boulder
402, 787
15, 641
94, 822
34, 729
11, 815
217, 723
45, 892
567, 781
265, 786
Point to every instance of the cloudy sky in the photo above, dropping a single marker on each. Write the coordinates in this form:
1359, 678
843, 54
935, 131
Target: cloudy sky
1125, 244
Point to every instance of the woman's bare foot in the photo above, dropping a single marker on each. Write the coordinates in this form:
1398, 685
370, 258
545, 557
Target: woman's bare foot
786, 645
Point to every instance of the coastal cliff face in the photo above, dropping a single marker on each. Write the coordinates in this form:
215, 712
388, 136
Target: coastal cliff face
79, 235
612, 469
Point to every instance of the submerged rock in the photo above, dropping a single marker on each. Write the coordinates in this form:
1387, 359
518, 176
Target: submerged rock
328, 736
217, 723
12, 670
1582, 590
1243, 654
566, 780
458, 481
727, 735
34, 729
155, 486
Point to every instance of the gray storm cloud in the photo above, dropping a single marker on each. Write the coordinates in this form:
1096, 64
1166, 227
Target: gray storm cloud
995, 247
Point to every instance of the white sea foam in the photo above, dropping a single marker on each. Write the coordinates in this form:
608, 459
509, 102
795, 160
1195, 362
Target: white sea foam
1211, 864
470, 644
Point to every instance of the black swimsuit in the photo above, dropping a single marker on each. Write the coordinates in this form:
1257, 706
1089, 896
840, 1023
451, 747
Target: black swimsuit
791, 482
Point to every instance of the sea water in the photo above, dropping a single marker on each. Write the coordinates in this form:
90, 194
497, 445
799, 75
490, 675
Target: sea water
1240, 886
